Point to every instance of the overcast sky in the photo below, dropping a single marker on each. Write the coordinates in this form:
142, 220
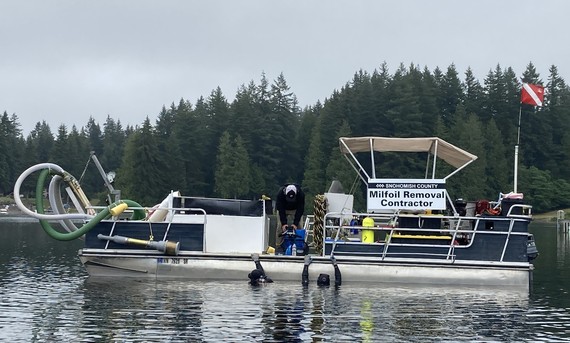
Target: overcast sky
64, 61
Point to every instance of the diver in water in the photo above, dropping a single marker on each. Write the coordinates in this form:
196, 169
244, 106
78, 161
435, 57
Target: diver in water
323, 279
257, 276
305, 274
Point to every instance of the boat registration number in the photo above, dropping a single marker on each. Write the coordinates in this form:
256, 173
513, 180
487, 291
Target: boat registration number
166, 260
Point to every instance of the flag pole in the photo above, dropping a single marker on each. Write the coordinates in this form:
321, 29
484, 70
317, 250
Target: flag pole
530, 95
517, 152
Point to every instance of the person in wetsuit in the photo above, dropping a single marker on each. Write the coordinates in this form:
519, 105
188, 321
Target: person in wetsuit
257, 276
323, 279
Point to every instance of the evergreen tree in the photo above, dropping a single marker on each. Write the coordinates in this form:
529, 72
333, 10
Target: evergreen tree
244, 117
4, 160
78, 151
269, 158
283, 123
216, 121
308, 121
496, 105
140, 177
92, 182
426, 87
257, 185
113, 144
468, 134
169, 149
380, 81
331, 117
277, 136
224, 169
497, 171
451, 94
474, 96
556, 115
241, 168
16, 142
565, 158
340, 169
314, 178
218, 112
38, 147
43, 141
61, 148
538, 188
361, 104
232, 173
530, 75
404, 109
95, 136
191, 133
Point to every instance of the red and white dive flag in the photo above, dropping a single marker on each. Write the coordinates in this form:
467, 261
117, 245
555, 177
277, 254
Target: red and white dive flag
532, 94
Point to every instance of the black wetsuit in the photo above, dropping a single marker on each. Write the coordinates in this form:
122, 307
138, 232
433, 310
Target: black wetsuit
337, 276
258, 276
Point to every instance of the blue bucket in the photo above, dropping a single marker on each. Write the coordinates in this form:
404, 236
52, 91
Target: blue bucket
298, 239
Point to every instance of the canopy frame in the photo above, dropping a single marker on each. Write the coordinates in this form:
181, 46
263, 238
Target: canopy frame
433, 146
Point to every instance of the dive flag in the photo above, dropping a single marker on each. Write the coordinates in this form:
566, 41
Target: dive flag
532, 94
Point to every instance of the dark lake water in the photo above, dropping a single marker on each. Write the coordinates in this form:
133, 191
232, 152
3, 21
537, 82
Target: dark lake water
46, 296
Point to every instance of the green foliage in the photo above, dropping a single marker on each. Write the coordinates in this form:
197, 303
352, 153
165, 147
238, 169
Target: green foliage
498, 173
314, 179
5, 159
539, 188
233, 168
141, 174
191, 147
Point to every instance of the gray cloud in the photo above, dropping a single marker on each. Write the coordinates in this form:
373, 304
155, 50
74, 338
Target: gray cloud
64, 61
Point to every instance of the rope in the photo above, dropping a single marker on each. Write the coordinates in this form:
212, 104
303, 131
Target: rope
320, 206
355, 183
151, 235
84, 169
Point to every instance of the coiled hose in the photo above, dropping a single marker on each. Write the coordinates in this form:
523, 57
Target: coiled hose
43, 218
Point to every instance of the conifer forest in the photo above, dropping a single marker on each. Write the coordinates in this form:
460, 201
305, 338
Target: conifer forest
249, 146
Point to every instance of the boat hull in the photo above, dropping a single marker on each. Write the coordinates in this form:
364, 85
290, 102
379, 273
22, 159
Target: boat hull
290, 268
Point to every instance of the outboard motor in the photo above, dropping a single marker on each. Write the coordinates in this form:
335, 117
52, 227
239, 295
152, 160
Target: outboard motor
531, 249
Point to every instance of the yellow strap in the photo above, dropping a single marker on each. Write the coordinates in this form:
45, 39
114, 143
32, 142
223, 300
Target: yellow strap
420, 236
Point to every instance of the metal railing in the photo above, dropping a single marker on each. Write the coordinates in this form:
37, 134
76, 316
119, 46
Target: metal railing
453, 229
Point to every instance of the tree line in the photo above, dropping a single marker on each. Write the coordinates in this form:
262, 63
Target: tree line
251, 145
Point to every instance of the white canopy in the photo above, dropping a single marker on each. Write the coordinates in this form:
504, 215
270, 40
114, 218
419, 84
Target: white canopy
448, 152
434, 146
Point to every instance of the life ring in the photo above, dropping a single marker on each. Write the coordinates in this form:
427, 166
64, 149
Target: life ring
492, 211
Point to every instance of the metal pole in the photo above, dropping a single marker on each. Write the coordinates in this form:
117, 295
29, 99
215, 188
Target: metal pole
519, 127
516, 166
112, 190
516, 169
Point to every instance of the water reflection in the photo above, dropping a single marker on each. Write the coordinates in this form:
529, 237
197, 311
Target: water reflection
562, 247
289, 312
47, 296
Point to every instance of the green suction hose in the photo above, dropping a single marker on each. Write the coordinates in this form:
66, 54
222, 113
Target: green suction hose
68, 236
